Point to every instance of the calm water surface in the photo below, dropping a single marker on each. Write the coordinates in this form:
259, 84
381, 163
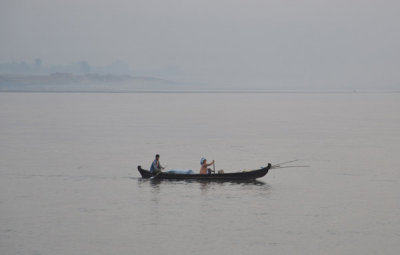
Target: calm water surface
69, 184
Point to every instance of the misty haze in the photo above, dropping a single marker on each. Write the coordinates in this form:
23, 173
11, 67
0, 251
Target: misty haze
307, 93
312, 45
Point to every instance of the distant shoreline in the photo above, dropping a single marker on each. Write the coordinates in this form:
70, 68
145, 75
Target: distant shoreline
203, 92
99, 83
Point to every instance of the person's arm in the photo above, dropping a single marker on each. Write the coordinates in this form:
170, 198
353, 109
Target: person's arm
211, 163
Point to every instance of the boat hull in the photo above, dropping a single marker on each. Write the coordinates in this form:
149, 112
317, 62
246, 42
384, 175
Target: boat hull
245, 175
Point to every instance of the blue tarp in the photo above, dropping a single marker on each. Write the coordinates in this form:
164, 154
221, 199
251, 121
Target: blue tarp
180, 171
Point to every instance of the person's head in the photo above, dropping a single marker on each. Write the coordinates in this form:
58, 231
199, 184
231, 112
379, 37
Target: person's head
157, 156
202, 161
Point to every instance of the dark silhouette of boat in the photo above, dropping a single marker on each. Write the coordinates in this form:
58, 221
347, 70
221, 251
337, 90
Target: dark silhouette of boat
244, 175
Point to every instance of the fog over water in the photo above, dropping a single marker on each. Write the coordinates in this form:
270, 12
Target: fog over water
309, 44
246, 83
69, 184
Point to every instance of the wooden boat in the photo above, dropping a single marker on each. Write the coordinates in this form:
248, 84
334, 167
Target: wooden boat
245, 175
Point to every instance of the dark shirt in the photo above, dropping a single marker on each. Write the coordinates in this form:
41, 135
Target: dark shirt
155, 166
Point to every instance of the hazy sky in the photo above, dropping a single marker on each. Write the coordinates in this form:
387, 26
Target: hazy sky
315, 43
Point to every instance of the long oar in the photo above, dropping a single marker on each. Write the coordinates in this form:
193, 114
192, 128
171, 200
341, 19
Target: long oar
158, 172
154, 176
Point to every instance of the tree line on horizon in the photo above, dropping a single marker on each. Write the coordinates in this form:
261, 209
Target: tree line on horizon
81, 67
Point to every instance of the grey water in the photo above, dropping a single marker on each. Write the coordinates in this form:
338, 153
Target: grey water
69, 184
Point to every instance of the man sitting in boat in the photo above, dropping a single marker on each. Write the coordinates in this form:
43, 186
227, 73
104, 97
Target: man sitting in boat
156, 165
204, 165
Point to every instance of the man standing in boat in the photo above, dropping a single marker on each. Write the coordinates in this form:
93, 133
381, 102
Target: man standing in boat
204, 165
156, 165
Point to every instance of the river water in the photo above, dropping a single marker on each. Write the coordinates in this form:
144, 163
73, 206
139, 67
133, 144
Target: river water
69, 184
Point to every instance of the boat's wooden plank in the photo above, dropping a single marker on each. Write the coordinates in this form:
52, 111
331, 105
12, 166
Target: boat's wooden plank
249, 175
